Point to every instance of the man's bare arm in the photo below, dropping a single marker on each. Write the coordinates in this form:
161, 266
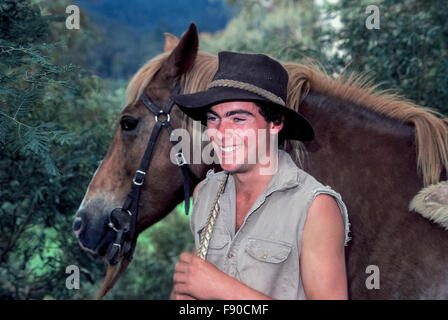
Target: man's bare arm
322, 257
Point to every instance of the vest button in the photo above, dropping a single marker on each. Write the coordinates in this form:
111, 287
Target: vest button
230, 256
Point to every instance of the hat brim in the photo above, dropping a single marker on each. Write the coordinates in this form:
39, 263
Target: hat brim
295, 127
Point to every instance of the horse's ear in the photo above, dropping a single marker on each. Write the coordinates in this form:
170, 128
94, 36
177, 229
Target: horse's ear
171, 41
183, 55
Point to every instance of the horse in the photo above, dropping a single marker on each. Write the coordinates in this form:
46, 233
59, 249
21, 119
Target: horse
375, 148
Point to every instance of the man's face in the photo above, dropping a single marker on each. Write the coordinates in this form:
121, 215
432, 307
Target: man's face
239, 134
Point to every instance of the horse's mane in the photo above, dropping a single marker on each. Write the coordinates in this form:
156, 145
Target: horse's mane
431, 132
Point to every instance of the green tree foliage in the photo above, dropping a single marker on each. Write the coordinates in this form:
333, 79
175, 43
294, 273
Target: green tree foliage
150, 275
409, 53
26, 72
285, 29
57, 121
55, 124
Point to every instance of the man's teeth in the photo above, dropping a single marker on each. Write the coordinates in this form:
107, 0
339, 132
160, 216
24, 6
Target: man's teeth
228, 149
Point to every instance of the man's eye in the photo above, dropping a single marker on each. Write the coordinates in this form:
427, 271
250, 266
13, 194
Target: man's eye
239, 119
128, 124
211, 118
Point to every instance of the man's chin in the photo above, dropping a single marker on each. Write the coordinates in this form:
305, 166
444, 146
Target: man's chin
235, 168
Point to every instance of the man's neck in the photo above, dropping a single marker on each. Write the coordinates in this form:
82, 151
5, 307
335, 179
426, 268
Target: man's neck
252, 183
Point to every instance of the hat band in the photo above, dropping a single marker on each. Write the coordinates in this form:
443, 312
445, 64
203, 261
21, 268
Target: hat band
248, 87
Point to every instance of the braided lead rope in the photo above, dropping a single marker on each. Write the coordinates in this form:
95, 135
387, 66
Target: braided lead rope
206, 233
249, 87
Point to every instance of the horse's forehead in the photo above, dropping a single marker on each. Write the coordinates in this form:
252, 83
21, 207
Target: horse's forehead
133, 108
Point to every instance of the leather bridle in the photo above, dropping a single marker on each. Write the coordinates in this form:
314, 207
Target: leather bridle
123, 221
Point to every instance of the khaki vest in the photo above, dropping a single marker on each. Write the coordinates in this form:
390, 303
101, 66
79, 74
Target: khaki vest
264, 253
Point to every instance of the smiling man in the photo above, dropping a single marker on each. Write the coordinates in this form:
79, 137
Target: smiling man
242, 138
279, 233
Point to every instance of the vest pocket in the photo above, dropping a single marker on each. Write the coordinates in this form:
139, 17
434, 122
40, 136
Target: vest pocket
264, 266
217, 247
267, 250
218, 241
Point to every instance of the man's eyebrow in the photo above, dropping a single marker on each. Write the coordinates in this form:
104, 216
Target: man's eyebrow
238, 111
212, 112
232, 112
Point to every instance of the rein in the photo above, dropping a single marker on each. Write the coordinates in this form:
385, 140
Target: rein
206, 234
123, 221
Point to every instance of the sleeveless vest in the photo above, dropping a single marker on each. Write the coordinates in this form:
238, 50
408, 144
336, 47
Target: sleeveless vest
264, 253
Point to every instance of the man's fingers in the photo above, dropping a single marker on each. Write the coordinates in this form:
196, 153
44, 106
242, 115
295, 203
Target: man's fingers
181, 267
185, 257
180, 277
183, 297
181, 289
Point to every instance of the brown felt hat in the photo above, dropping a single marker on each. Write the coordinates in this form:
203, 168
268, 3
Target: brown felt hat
247, 77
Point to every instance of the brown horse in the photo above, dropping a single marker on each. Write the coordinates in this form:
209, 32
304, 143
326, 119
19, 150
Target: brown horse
375, 148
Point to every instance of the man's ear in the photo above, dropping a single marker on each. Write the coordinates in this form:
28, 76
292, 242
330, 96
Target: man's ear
276, 128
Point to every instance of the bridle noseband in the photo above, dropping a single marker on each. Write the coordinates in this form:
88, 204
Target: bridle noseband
123, 221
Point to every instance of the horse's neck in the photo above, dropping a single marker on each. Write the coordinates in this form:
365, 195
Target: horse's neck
358, 151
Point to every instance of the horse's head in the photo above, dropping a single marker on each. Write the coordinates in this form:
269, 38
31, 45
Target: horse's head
163, 185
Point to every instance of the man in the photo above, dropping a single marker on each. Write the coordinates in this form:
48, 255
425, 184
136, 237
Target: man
279, 233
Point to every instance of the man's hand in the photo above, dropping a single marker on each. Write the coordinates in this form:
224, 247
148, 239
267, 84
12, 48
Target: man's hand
197, 278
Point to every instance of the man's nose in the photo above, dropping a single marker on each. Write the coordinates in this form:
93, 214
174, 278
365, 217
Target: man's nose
224, 137
225, 129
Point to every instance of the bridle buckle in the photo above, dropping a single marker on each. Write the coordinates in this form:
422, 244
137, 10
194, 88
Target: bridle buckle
180, 159
139, 177
165, 122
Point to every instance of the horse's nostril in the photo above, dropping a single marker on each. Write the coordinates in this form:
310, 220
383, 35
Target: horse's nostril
77, 224
90, 228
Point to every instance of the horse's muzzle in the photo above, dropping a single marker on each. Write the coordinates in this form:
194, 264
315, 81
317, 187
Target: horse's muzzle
92, 232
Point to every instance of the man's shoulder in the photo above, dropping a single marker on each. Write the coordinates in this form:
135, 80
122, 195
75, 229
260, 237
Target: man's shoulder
312, 183
295, 175
307, 181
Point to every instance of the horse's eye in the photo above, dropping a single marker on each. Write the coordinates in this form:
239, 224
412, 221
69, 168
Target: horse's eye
128, 124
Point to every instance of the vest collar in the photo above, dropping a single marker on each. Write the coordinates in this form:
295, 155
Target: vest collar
286, 176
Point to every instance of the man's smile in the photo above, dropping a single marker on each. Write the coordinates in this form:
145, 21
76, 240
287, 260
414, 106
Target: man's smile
230, 149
